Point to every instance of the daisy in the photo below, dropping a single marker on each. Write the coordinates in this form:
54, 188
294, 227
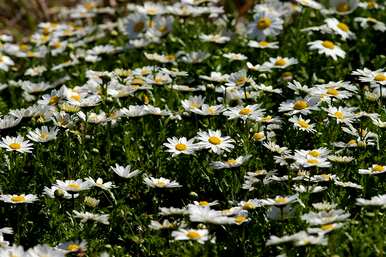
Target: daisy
160, 182
231, 163
251, 112
375, 169
73, 186
204, 214
377, 77
280, 201
44, 134
265, 24
214, 141
56, 192
44, 250
30, 198
124, 172
99, 183
194, 102
16, 144
343, 7
325, 217
341, 114
237, 79
310, 3
209, 110
280, 62
235, 57
5, 62
85, 216
302, 124
370, 22
215, 38
73, 246
199, 235
263, 44
181, 145
327, 48
379, 200
299, 105
340, 28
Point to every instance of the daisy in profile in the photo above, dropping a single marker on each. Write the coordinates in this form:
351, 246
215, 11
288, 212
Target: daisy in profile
280, 201
73, 185
251, 112
99, 183
310, 3
377, 77
375, 169
263, 44
339, 28
327, 48
43, 134
265, 24
177, 146
125, 172
16, 199
199, 235
214, 141
214, 38
366, 22
231, 163
160, 182
5, 62
44, 250
16, 144
302, 124
209, 110
299, 106
343, 7
193, 102
73, 246
280, 62
235, 56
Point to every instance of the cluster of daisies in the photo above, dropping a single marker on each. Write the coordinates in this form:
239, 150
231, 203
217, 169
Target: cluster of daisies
222, 132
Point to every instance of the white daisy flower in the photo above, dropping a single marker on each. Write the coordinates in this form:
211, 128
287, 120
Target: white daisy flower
340, 28
265, 24
125, 172
16, 144
377, 77
86, 216
30, 198
181, 145
302, 124
214, 141
375, 169
327, 48
199, 235
263, 44
160, 182
280, 62
251, 112
231, 163
235, 56
44, 134
73, 185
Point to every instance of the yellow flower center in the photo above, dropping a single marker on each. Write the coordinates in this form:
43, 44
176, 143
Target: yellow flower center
73, 247
326, 177
170, 57
18, 199
327, 227
258, 136
342, 7
264, 43
245, 111
343, 27
280, 62
193, 235
15, 146
300, 105
352, 142
181, 147
328, 44
248, 206
264, 23
138, 27
56, 45
203, 203
339, 115
137, 81
214, 140
241, 81
231, 162
44, 135
53, 100
159, 183
240, 219
212, 110
332, 91
313, 161
314, 153
378, 168
74, 186
75, 97
266, 118
303, 124
281, 200
380, 77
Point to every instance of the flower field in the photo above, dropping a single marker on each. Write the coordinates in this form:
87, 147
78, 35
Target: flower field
178, 129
